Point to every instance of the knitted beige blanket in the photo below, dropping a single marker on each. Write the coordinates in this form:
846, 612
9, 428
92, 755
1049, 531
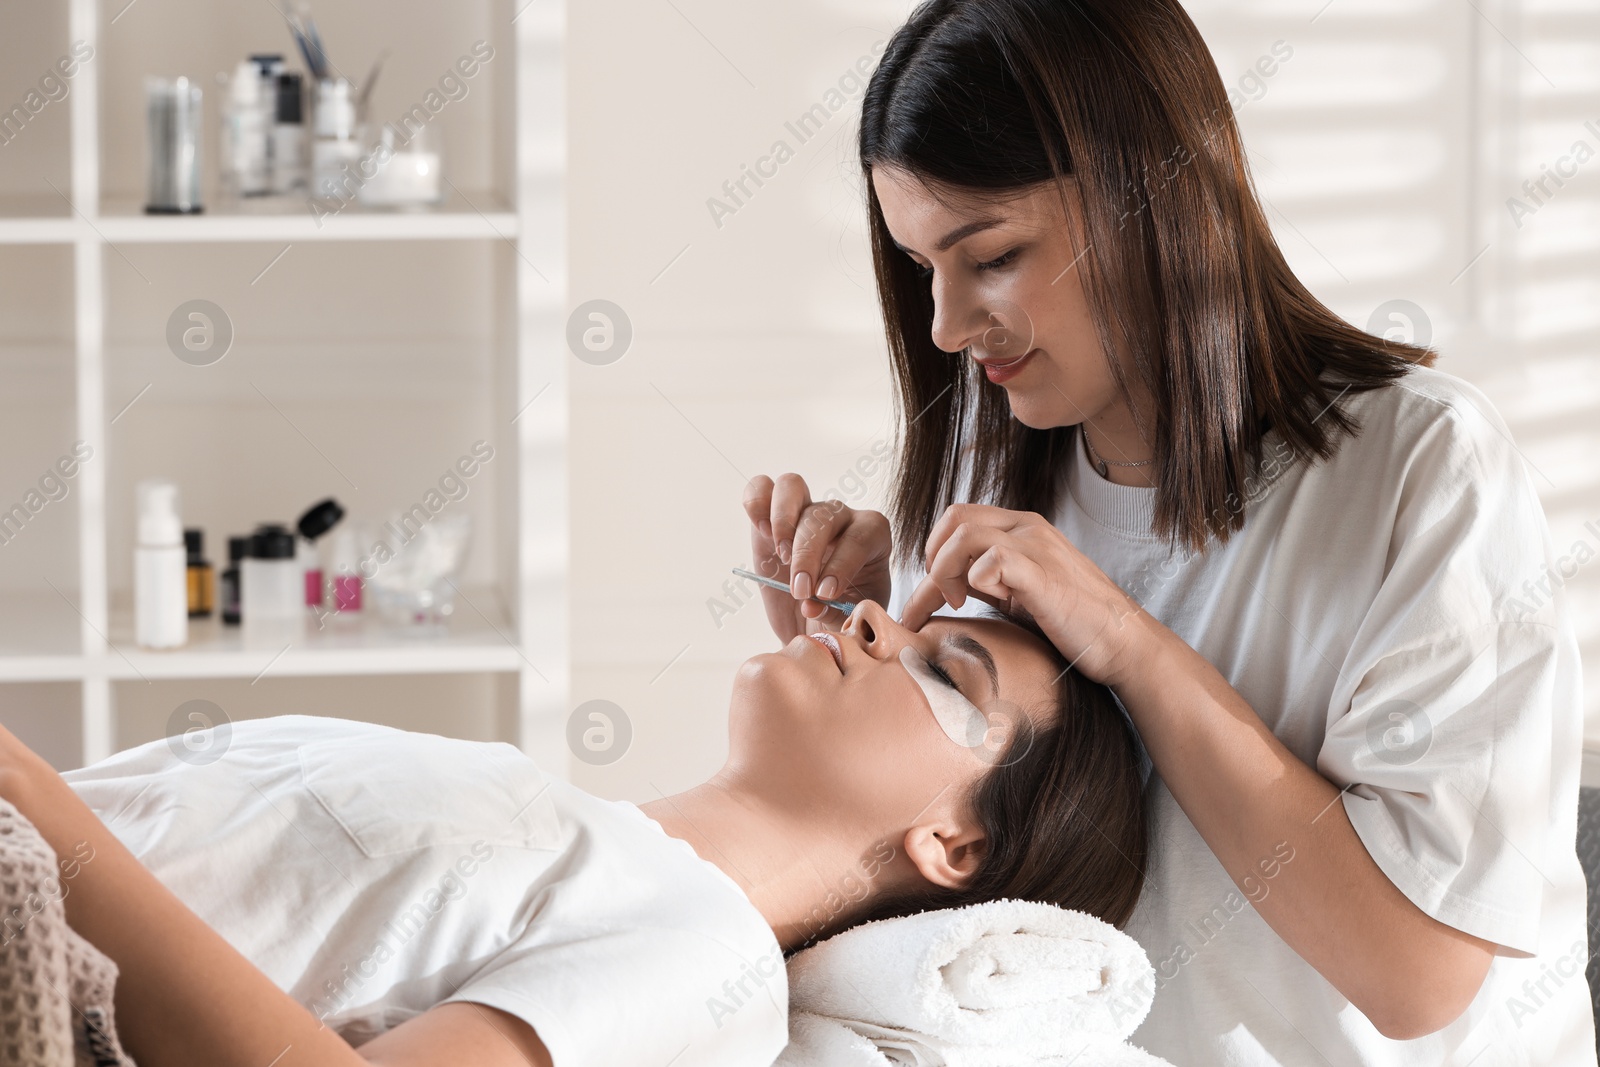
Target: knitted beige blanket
55, 987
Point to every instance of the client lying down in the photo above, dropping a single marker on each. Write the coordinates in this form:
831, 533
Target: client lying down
402, 898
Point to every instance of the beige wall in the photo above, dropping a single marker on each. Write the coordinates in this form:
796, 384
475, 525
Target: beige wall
756, 351
1386, 146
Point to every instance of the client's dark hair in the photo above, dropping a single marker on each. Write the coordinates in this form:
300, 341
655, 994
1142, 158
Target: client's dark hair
1063, 811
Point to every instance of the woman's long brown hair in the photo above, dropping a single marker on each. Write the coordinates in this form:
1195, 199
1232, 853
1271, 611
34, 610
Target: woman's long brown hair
986, 98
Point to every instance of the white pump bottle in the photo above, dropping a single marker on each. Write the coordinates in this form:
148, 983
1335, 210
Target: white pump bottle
160, 581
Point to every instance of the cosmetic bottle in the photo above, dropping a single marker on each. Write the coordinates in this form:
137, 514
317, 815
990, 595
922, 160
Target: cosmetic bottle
238, 548
344, 575
269, 578
160, 596
336, 141
289, 136
247, 126
173, 146
202, 581
318, 520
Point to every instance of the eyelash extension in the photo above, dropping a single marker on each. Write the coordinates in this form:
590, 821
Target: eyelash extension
944, 675
993, 264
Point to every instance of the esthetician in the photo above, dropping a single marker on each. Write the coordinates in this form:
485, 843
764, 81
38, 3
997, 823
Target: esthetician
1313, 568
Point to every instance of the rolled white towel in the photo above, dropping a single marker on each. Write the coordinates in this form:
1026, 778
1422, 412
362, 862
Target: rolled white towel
818, 1041
990, 983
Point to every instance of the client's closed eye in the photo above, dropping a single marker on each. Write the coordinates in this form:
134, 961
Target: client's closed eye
957, 716
943, 675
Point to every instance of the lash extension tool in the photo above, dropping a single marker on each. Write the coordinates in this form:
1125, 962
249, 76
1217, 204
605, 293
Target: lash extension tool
772, 583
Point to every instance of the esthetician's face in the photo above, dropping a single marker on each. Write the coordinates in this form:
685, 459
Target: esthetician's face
999, 284
848, 733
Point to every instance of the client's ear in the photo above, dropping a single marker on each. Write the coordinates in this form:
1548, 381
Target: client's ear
946, 854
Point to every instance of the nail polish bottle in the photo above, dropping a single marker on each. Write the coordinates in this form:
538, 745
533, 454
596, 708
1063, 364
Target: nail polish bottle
202, 581
238, 548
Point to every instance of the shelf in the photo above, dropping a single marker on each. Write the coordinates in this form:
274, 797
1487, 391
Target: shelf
478, 638
39, 637
39, 642
472, 215
43, 219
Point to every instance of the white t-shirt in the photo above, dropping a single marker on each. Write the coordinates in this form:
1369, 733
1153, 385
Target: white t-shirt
1389, 614
374, 873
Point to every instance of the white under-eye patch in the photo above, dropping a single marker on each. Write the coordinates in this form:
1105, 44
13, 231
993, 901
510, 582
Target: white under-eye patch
957, 716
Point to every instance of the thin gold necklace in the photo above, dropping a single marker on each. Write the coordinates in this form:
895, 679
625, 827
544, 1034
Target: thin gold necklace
1101, 465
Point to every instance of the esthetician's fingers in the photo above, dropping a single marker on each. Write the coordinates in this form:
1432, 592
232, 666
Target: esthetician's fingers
957, 515
1005, 574
856, 565
758, 503
928, 598
758, 508
924, 600
835, 541
786, 616
790, 497
813, 543
947, 581
821, 617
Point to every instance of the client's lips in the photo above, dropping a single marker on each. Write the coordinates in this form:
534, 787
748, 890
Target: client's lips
1002, 370
831, 643
1001, 361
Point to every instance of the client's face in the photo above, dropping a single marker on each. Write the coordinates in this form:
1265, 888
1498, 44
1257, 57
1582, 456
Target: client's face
864, 729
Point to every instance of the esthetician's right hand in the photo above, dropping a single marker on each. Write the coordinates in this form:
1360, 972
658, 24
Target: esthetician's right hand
830, 549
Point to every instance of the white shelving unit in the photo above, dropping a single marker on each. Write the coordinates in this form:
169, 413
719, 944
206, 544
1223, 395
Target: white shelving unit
511, 619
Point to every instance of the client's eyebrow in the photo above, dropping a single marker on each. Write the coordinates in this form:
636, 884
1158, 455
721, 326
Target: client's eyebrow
960, 233
975, 648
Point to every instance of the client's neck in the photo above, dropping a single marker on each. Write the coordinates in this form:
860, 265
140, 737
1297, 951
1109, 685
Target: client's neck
806, 880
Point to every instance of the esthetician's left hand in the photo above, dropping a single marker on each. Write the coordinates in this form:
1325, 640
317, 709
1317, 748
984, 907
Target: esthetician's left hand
1017, 559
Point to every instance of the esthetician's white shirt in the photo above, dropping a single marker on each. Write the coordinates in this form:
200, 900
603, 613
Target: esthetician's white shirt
1389, 614
374, 873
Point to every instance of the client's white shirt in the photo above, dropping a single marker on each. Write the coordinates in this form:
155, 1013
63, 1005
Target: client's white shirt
1394, 615
374, 873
